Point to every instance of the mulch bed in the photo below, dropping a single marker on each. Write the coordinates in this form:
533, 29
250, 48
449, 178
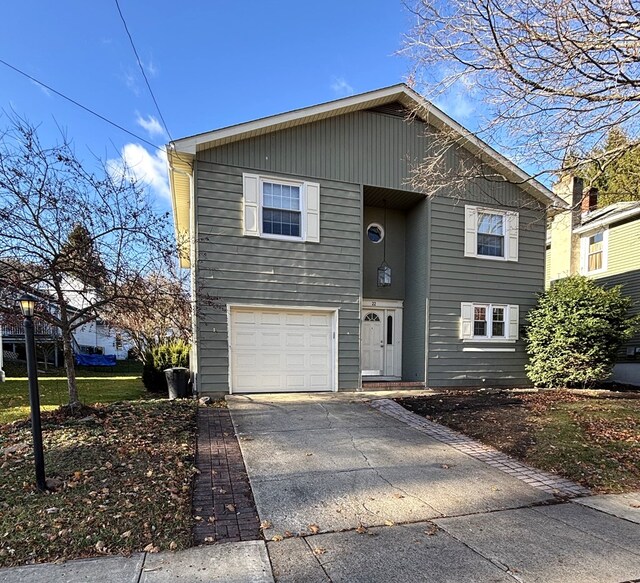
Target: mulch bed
592, 438
223, 503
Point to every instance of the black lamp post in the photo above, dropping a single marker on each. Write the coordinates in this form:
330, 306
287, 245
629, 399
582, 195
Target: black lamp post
27, 305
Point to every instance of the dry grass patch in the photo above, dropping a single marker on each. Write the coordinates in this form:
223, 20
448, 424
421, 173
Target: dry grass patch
123, 476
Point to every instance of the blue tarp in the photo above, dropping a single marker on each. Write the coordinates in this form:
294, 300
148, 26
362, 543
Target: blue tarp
96, 359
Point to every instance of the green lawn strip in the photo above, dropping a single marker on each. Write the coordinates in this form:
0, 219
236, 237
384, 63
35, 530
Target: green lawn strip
595, 442
14, 394
126, 368
125, 476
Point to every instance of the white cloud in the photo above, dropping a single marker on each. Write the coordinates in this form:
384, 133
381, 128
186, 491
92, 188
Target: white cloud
136, 163
150, 67
42, 88
131, 81
340, 87
150, 125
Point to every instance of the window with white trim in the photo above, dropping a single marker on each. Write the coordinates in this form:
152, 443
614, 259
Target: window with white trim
276, 208
489, 322
593, 252
491, 233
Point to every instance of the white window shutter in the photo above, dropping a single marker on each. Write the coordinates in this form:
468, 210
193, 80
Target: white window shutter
466, 320
514, 324
512, 236
470, 231
251, 205
312, 210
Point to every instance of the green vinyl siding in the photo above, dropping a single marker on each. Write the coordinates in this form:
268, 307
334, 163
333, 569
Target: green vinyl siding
344, 155
250, 270
360, 148
455, 278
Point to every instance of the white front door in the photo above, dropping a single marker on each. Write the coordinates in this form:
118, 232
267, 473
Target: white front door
372, 343
381, 344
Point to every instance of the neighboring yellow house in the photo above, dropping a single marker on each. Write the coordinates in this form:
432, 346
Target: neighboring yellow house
601, 243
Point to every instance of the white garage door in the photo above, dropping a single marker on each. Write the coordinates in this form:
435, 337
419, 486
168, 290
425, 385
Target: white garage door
281, 350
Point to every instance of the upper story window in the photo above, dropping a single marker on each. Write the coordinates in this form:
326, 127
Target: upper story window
281, 210
491, 233
275, 208
593, 252
497, 322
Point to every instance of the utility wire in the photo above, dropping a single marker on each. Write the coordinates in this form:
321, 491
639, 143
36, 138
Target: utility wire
114, 124
146, 80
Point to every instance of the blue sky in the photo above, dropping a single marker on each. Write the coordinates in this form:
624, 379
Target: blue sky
210, 64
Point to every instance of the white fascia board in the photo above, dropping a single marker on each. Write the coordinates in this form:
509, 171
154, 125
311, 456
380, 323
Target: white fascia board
425, 110
190, 144
606, 221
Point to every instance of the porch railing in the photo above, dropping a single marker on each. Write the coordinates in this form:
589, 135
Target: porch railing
39, 329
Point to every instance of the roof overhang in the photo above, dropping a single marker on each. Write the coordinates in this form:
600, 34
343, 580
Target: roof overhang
181, 184
608, 220
187, 148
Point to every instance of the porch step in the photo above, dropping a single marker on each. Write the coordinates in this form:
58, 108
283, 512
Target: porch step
390, 385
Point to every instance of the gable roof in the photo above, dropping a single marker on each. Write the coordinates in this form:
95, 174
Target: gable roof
608, 215
182, 152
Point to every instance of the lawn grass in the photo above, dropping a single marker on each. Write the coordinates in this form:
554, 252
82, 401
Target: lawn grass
123, 471
591, 439
119, 383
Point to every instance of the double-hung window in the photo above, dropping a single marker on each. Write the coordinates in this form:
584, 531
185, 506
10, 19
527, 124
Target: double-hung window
279, 208
593, 252
496, 322
491, 233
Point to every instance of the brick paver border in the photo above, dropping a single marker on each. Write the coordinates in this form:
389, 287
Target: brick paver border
549, 483
222, 499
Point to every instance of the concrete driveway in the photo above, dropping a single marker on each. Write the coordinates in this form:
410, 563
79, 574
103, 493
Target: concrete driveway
376, 500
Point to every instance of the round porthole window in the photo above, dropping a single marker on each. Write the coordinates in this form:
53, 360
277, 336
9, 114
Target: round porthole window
375, 233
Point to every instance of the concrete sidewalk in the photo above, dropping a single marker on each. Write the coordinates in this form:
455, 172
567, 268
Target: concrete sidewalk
377, 500
242, 562
356, 495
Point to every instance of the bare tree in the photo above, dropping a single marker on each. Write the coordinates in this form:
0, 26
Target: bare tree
165, 315
555, 76
77, 240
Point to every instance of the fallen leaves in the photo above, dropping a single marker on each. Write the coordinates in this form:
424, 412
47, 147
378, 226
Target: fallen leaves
314, 528
119, 484
265, 524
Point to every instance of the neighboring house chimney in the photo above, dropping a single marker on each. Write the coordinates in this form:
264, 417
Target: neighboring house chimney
589, 200
565, 245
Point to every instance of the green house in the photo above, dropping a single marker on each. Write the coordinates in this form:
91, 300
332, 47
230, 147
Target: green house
333, 271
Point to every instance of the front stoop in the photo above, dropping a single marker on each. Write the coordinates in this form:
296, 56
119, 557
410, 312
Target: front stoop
391, 385
222, 496
544, 481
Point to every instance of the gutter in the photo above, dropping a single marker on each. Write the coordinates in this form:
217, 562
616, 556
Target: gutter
607, 221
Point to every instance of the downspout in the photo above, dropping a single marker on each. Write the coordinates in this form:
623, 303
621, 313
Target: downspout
192, 263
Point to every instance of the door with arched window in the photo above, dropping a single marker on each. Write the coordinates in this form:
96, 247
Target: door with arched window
381, 339
372, 349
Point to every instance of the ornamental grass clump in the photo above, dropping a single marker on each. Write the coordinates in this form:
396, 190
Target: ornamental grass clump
161, 357
575, 332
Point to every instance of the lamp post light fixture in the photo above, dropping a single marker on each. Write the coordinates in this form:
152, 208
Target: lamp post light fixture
27, 305
384, 271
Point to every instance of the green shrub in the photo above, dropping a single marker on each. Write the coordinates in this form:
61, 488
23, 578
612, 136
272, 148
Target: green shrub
159, 358
575, 331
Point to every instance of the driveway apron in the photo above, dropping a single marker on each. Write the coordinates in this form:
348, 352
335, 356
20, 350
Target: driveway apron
338, 464
347, 494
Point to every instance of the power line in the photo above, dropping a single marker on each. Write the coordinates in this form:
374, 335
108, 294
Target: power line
146, 80
91, 111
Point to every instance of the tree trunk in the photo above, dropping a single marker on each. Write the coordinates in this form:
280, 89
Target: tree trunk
70, 367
